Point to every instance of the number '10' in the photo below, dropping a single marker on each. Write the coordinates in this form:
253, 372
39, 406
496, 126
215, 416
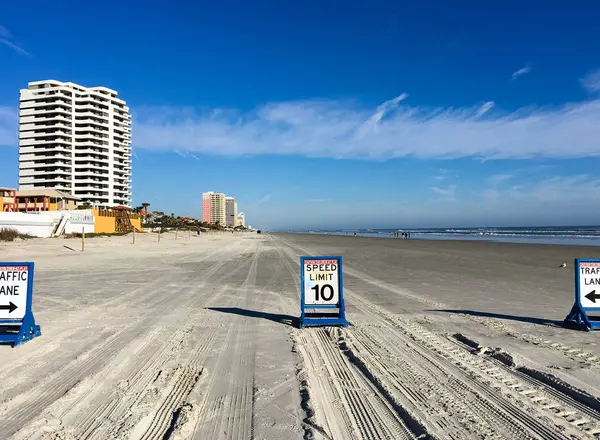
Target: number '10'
322, 292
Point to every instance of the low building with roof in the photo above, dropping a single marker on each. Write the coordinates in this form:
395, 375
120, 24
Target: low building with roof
45, 199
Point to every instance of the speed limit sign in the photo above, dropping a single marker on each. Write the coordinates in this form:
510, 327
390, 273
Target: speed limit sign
321, 291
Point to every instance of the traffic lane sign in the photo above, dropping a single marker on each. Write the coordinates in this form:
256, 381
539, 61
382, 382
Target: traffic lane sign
13, 291
589, 284
321, 282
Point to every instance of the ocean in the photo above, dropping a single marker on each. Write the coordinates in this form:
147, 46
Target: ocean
568, 235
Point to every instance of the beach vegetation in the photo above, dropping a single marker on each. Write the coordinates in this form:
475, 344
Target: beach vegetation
11, 234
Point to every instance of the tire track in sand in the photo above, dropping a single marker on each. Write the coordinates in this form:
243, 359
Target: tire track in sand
227, 411
382, 342
23, 409
338, 401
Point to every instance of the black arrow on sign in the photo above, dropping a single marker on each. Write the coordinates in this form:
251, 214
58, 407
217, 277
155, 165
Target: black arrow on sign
10, 307
592, 296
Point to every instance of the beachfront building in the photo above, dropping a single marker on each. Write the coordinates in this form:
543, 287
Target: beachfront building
241, 219
45, 199
8, 200
230, 211
214, 208
36, 200
75, 140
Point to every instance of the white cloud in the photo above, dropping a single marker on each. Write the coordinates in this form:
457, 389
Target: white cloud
265, 198
186, 154
6, 39
443, 174
560, 189
591, 82
334, 129
521, 71
14, 46
485, 107
8, 126
4, 32
499, 178
448, 193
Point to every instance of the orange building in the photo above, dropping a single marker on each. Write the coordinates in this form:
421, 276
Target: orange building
8, 200
45, 199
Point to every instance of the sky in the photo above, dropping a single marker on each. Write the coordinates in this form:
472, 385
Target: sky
329, 114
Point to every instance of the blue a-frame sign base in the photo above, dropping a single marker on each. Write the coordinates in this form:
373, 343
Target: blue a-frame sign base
322, 314
306, 320
19, 331
578, 316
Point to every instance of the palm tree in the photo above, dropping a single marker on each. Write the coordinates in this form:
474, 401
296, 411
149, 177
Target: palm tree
145, 206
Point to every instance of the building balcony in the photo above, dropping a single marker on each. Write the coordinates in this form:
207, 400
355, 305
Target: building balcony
51, 101
83, 152
90, 133
84, 183
96, 145
46, 149
46, 120
33, 142
51, 114
41, 171
92, 195
51, 162
35, 158
87, 119
51, 132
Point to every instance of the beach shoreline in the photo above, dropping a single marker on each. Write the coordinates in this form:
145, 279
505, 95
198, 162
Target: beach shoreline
588, 236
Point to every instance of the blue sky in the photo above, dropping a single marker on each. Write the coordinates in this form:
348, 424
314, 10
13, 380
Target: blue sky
330, 114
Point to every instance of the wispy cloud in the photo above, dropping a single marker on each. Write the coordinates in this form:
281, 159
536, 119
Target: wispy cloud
8, 126
448, 193
444, 174
591, 82
486, 107
499, 178
334, 129
7, 39
4, 32
186, 154
522, 71
558, 188
265, 198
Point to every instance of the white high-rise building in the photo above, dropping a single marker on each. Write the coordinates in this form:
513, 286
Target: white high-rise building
75, 139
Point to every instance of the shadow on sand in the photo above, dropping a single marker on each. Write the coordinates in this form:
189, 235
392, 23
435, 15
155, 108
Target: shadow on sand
275, 317
529, 319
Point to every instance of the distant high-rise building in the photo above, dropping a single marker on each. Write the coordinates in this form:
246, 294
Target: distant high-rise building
206, 204
230, 211
213, 208
77, 140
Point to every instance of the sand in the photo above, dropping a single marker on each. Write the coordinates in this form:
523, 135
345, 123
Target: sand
194, 338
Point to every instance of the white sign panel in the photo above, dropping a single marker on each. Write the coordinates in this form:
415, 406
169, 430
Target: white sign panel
13, 291
321, 282
589, 284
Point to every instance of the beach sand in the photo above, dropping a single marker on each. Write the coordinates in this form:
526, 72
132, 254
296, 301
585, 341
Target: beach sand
194, 338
